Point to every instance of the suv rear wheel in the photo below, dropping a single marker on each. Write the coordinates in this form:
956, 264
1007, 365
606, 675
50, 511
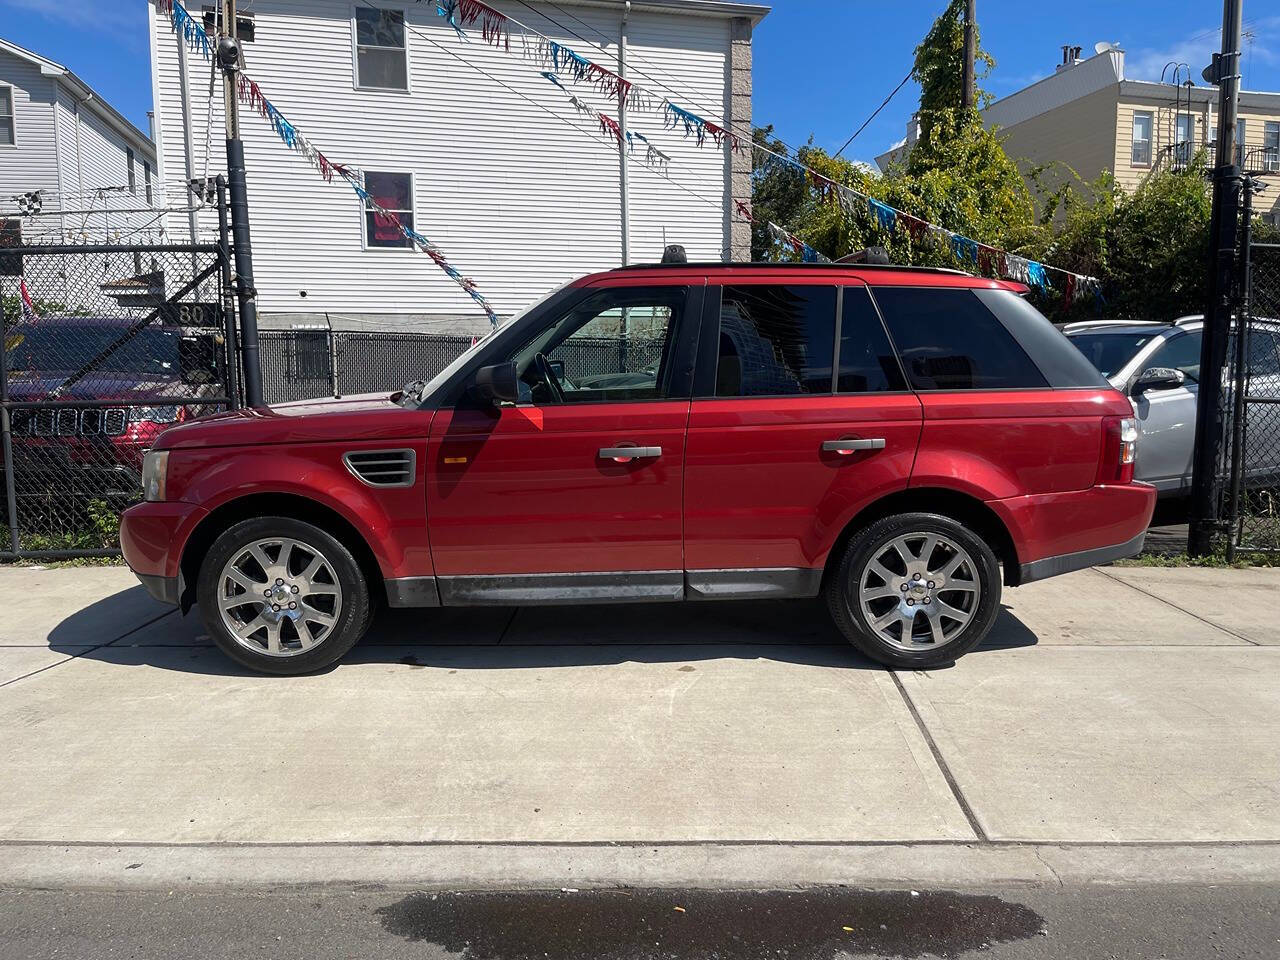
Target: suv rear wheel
915, 590
282, 596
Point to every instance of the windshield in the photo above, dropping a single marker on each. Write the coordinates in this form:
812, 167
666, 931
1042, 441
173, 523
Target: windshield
411, 398
1109, 352
65, 347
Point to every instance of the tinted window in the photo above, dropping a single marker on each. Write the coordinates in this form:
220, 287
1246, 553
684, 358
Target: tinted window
1109, 352
1263, 357
776, 340
394, 193
949, 340
867, 363
1180, 353
1043, 343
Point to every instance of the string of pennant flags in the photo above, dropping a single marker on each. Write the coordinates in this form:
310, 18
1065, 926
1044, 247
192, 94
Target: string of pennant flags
560, 61
250, 94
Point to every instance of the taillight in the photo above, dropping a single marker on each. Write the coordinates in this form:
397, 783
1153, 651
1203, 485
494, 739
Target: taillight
1119, 449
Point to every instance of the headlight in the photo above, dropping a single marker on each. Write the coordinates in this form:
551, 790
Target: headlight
155, 474
168, 414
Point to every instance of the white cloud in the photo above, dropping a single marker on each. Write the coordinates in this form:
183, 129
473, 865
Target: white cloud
1262, 46
119, 20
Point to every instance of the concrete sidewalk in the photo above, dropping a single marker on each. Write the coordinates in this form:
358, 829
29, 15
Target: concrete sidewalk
1121, 723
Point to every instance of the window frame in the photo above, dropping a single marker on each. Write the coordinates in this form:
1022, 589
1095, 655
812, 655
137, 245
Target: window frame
356, 84
707, 362
1134, 141
146, 182
408, 247
12, 116
675, 382
1013, 337
131, 175
1271, 146
1153, 358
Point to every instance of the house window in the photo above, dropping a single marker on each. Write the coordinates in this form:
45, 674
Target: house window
394, 193
1271, 147
8, 137
1184, 138
1241, 130
133, 177
146, 179
213, 23
380, 49
1141, 155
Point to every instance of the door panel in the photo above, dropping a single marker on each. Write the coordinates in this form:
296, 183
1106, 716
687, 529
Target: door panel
760, 490
524, 490
1166, 435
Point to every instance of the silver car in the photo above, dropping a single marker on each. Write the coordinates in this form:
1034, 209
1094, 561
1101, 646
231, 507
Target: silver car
1158, 366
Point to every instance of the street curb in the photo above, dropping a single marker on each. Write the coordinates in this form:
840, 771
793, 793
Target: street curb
463, 866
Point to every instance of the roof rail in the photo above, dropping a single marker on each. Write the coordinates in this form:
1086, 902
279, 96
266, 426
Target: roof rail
720, 264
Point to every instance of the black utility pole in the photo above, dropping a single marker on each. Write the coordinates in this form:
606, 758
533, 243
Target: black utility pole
970, 53
1225, 71
229, 60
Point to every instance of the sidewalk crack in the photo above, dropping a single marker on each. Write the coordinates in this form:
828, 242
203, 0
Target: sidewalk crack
1169, 603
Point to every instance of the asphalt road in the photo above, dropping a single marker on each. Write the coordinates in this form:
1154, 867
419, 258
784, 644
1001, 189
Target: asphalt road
1082, 923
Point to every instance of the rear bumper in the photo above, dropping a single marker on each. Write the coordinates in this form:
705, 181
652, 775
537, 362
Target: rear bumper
1059, 532
1052, 566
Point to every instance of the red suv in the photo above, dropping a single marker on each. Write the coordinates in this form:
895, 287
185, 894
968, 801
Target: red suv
899, 441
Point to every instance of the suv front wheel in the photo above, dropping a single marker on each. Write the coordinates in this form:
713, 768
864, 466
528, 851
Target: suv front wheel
282, 596
916, 590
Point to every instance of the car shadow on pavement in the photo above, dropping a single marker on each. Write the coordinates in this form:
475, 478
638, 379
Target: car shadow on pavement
494, 638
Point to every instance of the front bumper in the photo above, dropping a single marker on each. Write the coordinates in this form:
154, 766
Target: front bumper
152, 537
165, 589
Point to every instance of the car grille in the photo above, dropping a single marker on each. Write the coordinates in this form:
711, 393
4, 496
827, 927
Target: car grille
382, 468
70, 422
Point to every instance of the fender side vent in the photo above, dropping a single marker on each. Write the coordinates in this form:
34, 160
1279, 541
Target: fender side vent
382, 468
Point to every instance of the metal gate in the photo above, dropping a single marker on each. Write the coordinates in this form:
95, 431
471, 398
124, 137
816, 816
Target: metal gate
104, 347
1252, 441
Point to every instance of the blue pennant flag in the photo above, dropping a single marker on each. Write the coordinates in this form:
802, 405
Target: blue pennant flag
964, 249
1036, 275
885, 215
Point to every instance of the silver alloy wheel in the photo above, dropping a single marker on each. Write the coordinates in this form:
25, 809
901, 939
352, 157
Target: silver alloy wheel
919, 591
279, 596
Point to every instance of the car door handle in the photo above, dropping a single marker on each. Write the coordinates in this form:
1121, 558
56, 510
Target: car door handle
627, 454
846, 447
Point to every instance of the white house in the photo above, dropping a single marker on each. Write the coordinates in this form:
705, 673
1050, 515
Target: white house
70, 164
470, 143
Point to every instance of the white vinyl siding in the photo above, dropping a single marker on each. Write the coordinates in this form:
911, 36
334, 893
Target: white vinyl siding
519, 191
32, 163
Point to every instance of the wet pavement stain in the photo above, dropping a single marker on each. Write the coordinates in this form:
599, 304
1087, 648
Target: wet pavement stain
708, 925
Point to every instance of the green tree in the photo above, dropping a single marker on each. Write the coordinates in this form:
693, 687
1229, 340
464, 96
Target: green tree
939, 66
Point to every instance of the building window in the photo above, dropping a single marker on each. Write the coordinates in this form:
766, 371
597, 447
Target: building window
212, 17
1141, 155
1271, 147
1241, 131
1184, 138
8, 135
394, 193
146, 179
380, 49
133, 177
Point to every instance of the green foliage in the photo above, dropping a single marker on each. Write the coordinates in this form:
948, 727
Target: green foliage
1149, 248
97, 528
939, 64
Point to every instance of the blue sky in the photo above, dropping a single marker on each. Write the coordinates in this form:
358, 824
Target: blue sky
821, 66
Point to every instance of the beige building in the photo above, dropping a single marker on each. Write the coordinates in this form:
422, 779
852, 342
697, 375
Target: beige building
1087, 116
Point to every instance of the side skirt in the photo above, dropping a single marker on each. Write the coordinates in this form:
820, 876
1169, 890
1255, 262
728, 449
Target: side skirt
770, 583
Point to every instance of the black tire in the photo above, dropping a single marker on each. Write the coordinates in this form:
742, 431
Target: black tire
843, 585
352, 618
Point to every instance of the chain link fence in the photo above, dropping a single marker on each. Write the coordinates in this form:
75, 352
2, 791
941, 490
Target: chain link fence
302, 364
104, 347
1252, 440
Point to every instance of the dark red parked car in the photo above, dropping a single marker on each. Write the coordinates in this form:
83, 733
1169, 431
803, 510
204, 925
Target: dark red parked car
899, 441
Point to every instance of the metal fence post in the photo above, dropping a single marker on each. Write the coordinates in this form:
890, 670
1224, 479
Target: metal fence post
333, 358
1241, 360
228, 296
6, 435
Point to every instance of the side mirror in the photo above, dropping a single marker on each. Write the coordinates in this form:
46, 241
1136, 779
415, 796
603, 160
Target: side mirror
497, 384
1159, 378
